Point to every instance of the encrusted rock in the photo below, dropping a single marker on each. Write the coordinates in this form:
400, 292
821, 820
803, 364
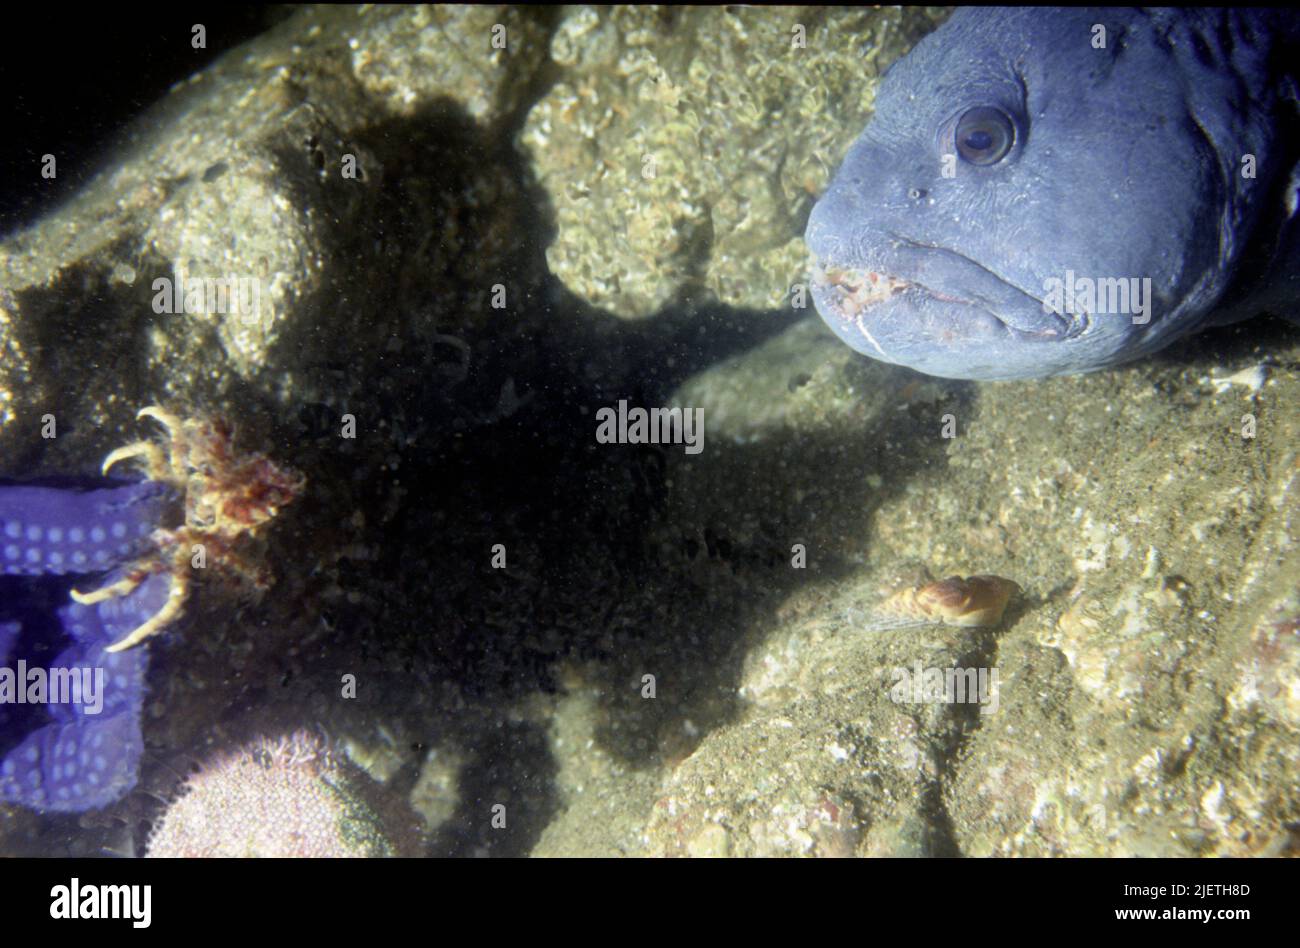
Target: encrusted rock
682, 147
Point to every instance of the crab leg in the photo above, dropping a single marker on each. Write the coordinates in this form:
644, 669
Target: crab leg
176, 597
155, 460
122, 587
162, 416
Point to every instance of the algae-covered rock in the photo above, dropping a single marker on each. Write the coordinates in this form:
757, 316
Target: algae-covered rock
247, 231
681, 147
1147, 677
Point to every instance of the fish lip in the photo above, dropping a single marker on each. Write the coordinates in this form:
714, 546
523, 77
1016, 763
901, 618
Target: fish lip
914, 272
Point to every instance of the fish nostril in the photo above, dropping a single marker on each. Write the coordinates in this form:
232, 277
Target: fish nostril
915, 194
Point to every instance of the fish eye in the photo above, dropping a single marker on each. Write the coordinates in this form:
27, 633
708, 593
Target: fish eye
984, 135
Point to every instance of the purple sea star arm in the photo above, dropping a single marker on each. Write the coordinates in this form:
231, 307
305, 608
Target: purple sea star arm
8, 636
56, 530
88, 755
84, 751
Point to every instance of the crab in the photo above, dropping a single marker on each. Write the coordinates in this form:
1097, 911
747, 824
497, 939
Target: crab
226, 496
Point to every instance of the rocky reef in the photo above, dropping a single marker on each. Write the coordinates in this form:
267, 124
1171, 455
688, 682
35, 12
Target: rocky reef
518, 639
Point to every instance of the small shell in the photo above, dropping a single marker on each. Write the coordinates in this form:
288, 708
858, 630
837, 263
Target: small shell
970, 602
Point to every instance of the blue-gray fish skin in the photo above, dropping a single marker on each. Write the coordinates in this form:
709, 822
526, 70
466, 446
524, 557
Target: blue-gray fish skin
1065, 161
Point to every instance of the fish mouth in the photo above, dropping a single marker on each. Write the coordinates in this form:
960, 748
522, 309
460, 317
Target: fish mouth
911, 291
